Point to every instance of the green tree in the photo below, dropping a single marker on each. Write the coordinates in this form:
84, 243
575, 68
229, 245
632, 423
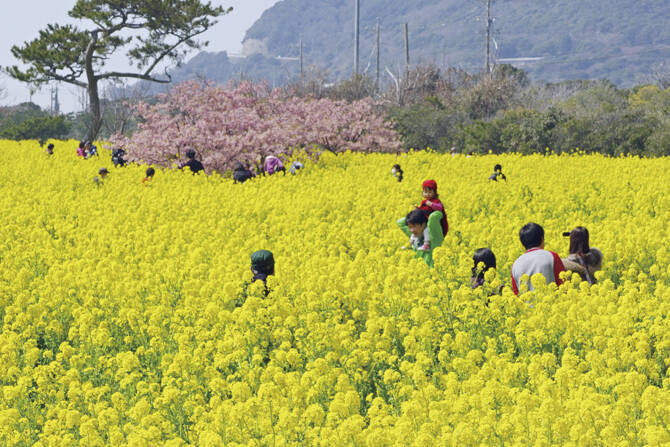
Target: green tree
39, 128
151, 31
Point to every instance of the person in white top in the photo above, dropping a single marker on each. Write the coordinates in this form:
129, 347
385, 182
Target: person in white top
536, 259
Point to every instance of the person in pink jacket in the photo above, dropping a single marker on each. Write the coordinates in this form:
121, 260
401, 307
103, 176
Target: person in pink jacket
274, 164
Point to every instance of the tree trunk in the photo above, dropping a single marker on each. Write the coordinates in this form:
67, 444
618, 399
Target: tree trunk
93, 93
94, 108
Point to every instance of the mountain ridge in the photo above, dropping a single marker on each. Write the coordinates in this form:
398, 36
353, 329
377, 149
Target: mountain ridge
622, 42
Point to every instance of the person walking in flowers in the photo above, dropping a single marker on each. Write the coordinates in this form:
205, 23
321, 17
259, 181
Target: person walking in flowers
431, 204
497, 174
262, 266
100, 178
416, 226
194, 165
436, 225
485, 258
397, 172
583, 259
536, 259
146, 181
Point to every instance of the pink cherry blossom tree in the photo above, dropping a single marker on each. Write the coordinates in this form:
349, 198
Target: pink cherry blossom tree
247, 122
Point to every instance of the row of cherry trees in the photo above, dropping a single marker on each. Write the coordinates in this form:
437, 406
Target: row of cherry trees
248, 121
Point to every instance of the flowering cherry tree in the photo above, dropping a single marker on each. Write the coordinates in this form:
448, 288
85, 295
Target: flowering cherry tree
247, 122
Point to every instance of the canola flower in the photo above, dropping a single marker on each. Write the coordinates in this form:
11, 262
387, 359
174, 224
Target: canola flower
125, 319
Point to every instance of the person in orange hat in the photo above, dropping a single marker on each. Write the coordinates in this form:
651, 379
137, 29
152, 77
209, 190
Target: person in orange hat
149, 176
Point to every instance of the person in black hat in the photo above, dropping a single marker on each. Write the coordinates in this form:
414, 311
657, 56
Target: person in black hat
194, 165
497, 174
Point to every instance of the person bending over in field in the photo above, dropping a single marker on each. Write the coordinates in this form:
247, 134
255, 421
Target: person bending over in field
149, 176
295, 167
396, 170
273, 165
583, 259
102, 175
50, 149
536, 259
241, 174
497, 174
194, 165
262, 266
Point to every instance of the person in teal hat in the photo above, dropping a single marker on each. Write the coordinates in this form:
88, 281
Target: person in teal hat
262, 266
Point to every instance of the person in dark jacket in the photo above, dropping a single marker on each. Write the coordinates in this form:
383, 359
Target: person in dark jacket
90, 150
262, 266
497, 174
241, 174
117, 157
194, 165
397, 172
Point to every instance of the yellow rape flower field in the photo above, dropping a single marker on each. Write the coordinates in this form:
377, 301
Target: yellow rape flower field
126, 318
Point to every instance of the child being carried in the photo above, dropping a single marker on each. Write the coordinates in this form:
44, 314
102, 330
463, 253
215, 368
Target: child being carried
430, 204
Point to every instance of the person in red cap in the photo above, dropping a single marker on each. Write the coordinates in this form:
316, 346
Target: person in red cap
432, 203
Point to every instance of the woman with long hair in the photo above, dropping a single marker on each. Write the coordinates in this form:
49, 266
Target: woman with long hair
583, 259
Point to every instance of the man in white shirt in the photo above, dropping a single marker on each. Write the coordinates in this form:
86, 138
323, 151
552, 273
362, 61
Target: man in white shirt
536, 259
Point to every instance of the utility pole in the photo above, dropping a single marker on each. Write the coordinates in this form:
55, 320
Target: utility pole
406, 47
54, 109
487, 61
301, 61
378, 58
56, 102
357, 11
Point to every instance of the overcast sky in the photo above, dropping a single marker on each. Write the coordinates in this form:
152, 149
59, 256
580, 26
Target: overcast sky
22, 21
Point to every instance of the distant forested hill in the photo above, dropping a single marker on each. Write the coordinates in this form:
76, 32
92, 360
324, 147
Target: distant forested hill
621, 40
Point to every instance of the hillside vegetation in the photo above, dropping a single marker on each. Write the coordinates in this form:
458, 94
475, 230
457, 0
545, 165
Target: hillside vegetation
584, 40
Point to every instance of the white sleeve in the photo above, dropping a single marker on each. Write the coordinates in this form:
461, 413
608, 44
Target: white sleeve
426, 235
